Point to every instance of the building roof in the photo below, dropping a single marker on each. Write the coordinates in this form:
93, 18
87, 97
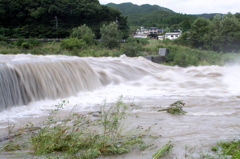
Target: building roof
153, 28
176, 33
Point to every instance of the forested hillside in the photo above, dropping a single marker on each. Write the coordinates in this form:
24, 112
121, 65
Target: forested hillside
129, 8
161, 19
153, 16
54, 18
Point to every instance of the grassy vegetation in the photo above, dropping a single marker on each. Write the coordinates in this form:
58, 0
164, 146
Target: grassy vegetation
228, 148
186, 56
80, 136
177, 55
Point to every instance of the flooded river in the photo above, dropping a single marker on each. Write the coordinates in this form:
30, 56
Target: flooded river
31, 86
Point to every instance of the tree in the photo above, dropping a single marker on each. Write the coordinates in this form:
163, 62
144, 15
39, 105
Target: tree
166, 30
110, 35
200, 29
85, 33
230, 33
237, 15
221, 34
51, 18
224, 34
185, 25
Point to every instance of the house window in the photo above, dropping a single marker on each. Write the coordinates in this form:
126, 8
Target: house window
172, 36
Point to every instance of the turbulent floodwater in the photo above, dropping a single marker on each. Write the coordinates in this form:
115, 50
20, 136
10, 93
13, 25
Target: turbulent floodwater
31, 86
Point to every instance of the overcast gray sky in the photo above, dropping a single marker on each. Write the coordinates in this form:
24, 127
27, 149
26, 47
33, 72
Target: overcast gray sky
189, 6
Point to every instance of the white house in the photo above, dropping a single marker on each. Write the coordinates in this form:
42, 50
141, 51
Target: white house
172, 35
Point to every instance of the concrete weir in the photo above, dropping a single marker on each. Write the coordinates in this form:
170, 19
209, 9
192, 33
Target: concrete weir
24, 82
158, 58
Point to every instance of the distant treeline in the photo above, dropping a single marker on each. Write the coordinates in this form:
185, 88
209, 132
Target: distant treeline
154, 16
221, 34
55, 18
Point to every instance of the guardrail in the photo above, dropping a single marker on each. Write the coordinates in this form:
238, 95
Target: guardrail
56, 39
42, 39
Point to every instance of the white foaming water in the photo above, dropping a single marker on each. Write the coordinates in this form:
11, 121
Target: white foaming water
231, 79
135, 78
211, 94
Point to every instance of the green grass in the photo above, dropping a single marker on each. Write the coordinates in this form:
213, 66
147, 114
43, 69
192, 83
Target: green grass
231, 148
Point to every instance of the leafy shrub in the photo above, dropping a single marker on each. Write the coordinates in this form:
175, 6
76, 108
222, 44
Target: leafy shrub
131, 49
2, 38
110, 35
26, 45
89, 39
151, 49
185, 59
19, 42
34, 42
142, 41
89, 52
116, 53
85, 33
71, 43
3, 43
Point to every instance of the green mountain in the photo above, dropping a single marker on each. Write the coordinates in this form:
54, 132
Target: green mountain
153, 16
130, 8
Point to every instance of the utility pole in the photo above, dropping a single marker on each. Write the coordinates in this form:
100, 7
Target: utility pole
56, 26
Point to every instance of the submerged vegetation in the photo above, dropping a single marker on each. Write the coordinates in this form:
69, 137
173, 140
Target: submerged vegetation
228, 148
175, 108
80, 136
163, 151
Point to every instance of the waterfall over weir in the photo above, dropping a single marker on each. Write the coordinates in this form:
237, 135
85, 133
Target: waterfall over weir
24, 81
35, 84
30, 78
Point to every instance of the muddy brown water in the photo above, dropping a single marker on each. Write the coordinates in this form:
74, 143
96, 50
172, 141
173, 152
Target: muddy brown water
211, 95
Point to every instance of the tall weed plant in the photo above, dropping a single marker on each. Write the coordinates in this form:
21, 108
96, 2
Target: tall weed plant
84, 137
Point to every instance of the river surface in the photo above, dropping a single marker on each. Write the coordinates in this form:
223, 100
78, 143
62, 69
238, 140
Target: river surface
211, 95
